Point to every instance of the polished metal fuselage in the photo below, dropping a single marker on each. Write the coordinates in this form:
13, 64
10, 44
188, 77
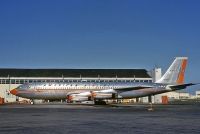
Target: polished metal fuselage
60, 90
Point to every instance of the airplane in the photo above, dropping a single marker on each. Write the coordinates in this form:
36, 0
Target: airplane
172, 80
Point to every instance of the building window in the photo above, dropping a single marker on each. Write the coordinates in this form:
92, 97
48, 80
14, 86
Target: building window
3, 81
7, 81
12, 81
21, 81
26, 81
17, 82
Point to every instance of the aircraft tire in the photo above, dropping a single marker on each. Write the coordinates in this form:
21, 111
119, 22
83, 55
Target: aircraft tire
99, 102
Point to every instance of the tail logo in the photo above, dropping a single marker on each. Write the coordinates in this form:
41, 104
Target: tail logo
180, 79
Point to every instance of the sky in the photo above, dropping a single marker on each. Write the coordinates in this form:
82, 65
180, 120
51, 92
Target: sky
100, 34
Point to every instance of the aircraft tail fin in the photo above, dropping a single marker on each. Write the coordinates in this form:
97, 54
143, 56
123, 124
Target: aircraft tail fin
176, 72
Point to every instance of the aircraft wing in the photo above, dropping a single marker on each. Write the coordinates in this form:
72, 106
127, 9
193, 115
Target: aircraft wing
132, 88
182, 86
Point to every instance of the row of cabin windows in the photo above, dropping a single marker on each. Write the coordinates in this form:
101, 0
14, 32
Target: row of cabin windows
74, 87
67, 88
12, 81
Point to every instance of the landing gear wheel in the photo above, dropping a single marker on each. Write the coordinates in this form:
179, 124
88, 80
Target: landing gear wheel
32, 102
97, 102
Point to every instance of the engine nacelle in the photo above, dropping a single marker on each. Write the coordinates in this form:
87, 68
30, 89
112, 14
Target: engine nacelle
80, 98
69, 98
92, 95
100, 95
77, 97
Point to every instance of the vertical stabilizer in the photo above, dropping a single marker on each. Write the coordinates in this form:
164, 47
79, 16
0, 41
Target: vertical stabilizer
176, 72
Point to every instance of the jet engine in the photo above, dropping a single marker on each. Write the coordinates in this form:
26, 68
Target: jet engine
90, 96
103, 95
78, 97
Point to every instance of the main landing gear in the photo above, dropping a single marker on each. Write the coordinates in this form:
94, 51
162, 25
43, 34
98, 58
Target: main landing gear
150, 102
99, 102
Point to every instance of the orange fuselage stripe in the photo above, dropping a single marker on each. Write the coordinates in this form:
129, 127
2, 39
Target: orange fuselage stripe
180, 79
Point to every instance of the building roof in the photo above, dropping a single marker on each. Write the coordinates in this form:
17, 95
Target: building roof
119, 73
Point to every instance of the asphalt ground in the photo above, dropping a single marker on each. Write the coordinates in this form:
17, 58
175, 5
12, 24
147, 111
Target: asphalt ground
78, 119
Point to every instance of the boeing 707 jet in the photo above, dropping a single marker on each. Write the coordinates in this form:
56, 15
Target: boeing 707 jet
172, 80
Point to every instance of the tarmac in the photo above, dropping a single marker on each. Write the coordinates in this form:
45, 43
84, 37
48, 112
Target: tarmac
87, 119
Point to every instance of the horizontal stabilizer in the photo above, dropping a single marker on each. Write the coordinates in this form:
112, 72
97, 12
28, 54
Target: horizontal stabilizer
182, 86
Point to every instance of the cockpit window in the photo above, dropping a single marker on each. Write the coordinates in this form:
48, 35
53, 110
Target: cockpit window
24, 87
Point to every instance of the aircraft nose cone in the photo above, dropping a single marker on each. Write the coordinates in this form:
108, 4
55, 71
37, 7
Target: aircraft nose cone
14, 91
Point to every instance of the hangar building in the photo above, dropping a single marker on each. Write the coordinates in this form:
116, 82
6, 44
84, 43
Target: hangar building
11, 78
